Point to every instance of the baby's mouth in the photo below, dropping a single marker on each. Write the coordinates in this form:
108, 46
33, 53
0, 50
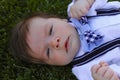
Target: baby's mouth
66, 44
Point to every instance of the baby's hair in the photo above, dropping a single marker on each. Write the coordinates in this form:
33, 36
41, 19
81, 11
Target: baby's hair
18, 43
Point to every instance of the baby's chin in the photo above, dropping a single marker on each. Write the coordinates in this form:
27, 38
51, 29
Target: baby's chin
64, 63
60, 64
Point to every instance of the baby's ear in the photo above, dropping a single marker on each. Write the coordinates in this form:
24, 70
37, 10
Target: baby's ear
65, 20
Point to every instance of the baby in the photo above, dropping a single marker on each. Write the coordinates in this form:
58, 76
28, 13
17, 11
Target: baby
49, 40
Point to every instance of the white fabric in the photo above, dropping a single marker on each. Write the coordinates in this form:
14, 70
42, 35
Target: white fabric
109, 26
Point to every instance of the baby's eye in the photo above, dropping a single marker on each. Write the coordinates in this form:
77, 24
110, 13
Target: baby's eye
50, 32
48, 52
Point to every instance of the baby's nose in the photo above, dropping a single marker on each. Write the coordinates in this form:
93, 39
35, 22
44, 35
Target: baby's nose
55, 42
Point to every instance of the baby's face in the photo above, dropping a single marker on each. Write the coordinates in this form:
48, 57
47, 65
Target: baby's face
53, 40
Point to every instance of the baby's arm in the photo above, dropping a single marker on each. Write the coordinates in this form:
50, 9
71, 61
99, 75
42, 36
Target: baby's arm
102, 71
80, 8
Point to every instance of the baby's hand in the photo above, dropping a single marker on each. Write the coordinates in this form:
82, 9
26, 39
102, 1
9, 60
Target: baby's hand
80, 8
102, 71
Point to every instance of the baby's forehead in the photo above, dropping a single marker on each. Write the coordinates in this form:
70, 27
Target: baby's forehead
37, 22
37, 19
36, 37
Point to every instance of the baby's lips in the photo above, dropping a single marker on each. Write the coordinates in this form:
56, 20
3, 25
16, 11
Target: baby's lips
66, 44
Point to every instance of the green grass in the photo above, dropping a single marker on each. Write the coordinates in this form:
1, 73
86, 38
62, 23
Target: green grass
11, 11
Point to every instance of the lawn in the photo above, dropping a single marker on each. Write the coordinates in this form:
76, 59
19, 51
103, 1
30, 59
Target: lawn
11, 12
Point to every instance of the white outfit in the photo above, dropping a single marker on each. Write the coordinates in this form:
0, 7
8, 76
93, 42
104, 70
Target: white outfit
109, 27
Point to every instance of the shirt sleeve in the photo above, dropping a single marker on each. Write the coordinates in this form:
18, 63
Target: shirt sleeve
82, 72
96, 5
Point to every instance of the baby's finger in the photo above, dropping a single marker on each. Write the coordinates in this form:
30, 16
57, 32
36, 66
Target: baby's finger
115, 77
102, 70
95, 68
109, 73
76, 14
73, 12
103, 63
90, 2
83, 12
79, 14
